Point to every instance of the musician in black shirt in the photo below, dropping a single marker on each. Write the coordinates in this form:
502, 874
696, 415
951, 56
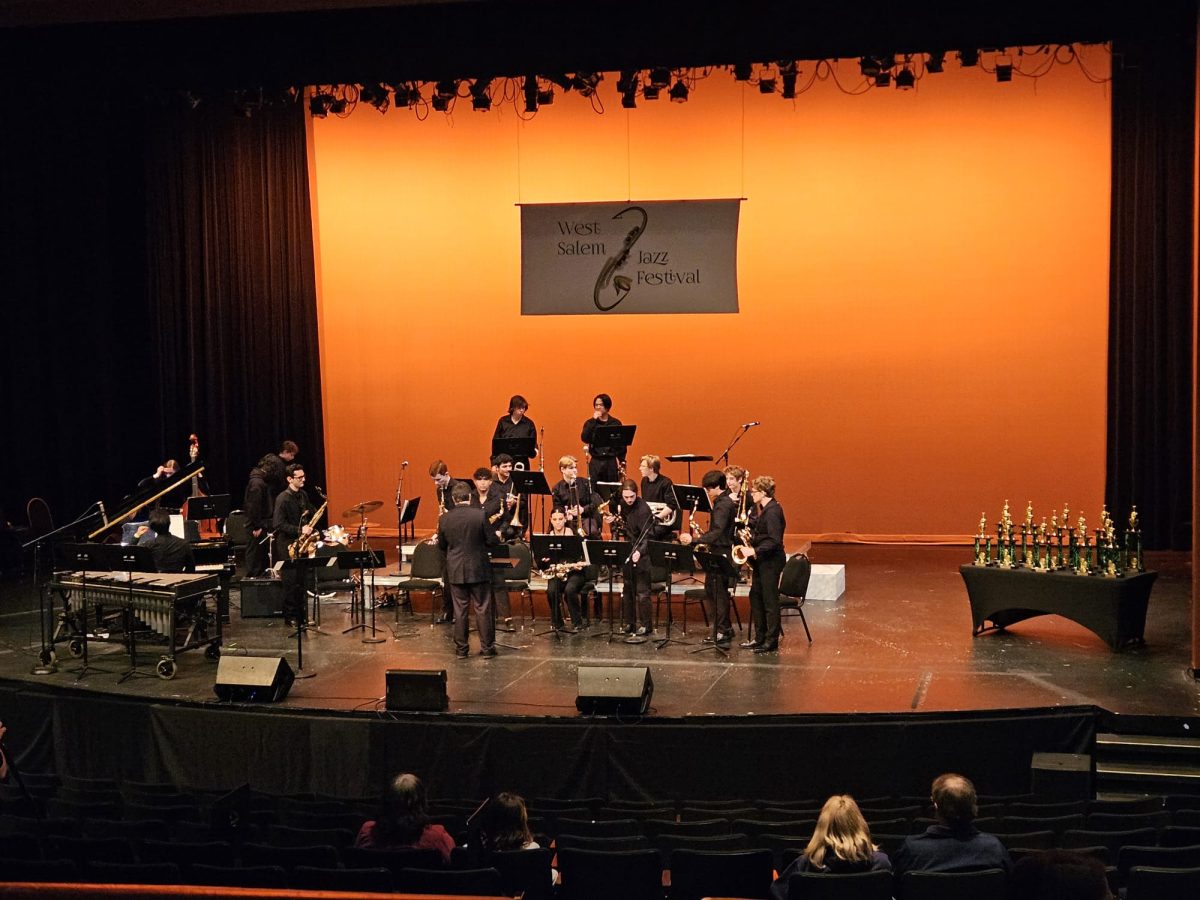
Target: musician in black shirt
573, 495
718, 539
605, 460
293, 510
443, 484
502, 469
565, 583
767, 558
171, 554
635, 598
659, 489
490, 497
517, 425
259, 512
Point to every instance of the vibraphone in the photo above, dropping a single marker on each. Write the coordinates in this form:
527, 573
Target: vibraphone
162, 604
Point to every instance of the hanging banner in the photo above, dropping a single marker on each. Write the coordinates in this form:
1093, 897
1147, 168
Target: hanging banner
653, 256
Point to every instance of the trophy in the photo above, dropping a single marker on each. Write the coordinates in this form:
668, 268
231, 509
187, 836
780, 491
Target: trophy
1004, 535
982, 543
1133, 543
1079, 546
1043, 561
1111, 569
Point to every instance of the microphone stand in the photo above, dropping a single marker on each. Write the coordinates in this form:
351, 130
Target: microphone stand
633, 638
741, 433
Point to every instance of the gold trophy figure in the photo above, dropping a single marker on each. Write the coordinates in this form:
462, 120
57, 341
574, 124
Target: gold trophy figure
1082, 566
981, 542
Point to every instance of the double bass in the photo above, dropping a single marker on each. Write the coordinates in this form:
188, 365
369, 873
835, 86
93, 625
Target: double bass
210, 529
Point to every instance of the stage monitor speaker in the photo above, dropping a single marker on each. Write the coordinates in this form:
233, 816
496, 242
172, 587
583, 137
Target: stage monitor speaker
250, 679
261, 597
614, 690
416, 690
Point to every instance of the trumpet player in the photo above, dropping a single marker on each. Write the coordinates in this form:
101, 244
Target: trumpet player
767, 558
573, 495
516, 424
565, 580
502, 469
636, 520
489, 497
718, 539
659, 493
607, 464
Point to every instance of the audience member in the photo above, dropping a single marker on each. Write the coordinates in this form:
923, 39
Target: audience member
404, 821
954, 844
840, 844
1059, 875
506, 824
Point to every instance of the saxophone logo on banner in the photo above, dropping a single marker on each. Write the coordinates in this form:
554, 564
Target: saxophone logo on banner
654, 256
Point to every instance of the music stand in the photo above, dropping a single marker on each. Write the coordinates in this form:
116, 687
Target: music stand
552, 549
405, 524
302, 567
85, 555
214, 506
529, 483
130, 559
363, 560
716, 564
614, 437
616, 554
517, 447
498, 552
673, 557
689, 458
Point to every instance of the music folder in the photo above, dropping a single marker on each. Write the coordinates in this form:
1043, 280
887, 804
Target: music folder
517, 448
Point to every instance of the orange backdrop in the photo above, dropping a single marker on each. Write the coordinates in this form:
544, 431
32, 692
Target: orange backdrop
923, 284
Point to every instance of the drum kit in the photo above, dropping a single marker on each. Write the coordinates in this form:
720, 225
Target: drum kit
339, 536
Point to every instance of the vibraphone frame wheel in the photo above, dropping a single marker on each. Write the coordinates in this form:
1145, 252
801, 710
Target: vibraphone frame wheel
212, 651
166, 669
47, 657
75, 647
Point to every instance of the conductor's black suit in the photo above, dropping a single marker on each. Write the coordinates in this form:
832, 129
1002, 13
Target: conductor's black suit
464, 536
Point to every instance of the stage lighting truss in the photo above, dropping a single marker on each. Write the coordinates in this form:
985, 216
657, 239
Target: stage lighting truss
530, 92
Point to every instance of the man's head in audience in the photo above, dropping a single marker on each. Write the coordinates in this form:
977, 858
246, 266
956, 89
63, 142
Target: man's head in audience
954, 800
406, 796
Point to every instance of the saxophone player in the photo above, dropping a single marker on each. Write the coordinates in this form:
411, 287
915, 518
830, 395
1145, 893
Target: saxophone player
290, 522
718, 539
564, 581
573, 495
490, 497
767, 558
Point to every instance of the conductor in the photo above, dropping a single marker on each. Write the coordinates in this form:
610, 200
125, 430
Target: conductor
464, 536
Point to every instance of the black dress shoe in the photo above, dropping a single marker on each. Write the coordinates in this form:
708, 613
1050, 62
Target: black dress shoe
750, 645
444, 619
507, 625
488, 653
461, 654
766, 648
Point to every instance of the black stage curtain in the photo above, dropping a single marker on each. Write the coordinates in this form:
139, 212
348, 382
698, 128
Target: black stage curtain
76, 407
232, 284
1150, 346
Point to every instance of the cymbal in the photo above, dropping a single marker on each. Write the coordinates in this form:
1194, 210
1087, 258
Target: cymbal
362, 508
688, 457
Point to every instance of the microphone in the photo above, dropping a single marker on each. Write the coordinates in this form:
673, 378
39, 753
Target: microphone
320, 492
103, 513
751, 424
404, 465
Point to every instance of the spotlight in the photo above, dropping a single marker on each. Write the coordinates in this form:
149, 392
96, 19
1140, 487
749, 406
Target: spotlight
546, 97
375, 95
869, 66
440, 103
586, 82
338, 106
628, 86
679, 91
937, 59
660, 77
480, 100
405, 93
905, 79
319, 104
887, 61
787, 72
741, 72
650, 92
968, 58
445, 90
766, 84
883, 78
1004, 69
531, 93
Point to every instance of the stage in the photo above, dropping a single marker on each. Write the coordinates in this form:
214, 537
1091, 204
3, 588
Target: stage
895, 652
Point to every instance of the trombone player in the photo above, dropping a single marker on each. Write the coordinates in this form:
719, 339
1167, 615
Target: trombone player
490, 497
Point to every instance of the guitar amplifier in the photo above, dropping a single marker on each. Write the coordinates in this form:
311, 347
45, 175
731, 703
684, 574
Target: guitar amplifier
261, 597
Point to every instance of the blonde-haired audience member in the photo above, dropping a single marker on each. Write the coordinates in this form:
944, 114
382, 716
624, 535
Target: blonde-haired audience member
840, 844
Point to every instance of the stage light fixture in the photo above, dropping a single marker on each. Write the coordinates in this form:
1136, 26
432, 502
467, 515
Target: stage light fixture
628, 86
440, 103
405, 94
660, 77
905, 79
587, 82
1004, 69
650, 92
375, 95
968, 57
446, 90
531, 93
679, 92
787, 74
546, 97
869, 66
766, 83
742, 72
319, 104
481, 101
936, 61
883, 78
338, 106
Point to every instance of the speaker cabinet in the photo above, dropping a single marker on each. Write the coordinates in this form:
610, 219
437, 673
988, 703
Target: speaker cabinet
416, 690
261, 597
614, 690
253, 679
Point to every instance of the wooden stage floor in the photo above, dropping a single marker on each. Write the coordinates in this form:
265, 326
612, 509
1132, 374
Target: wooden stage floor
899, 640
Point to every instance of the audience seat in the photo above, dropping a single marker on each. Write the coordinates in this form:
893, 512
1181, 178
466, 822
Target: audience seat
238, 876
1075, 838
287, 858
1148, 883
1179, 836
598, 875
187, 853
524, 873
1157, 858
131, 873
666, 844
40, 870
359, 858
1027, 840
610, 844
315, 878
987, 884
1127, 821
823, 886
592, 828
473, 882
652, 828
698, 874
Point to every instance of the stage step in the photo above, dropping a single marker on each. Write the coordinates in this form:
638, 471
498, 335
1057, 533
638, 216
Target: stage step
1147, 763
